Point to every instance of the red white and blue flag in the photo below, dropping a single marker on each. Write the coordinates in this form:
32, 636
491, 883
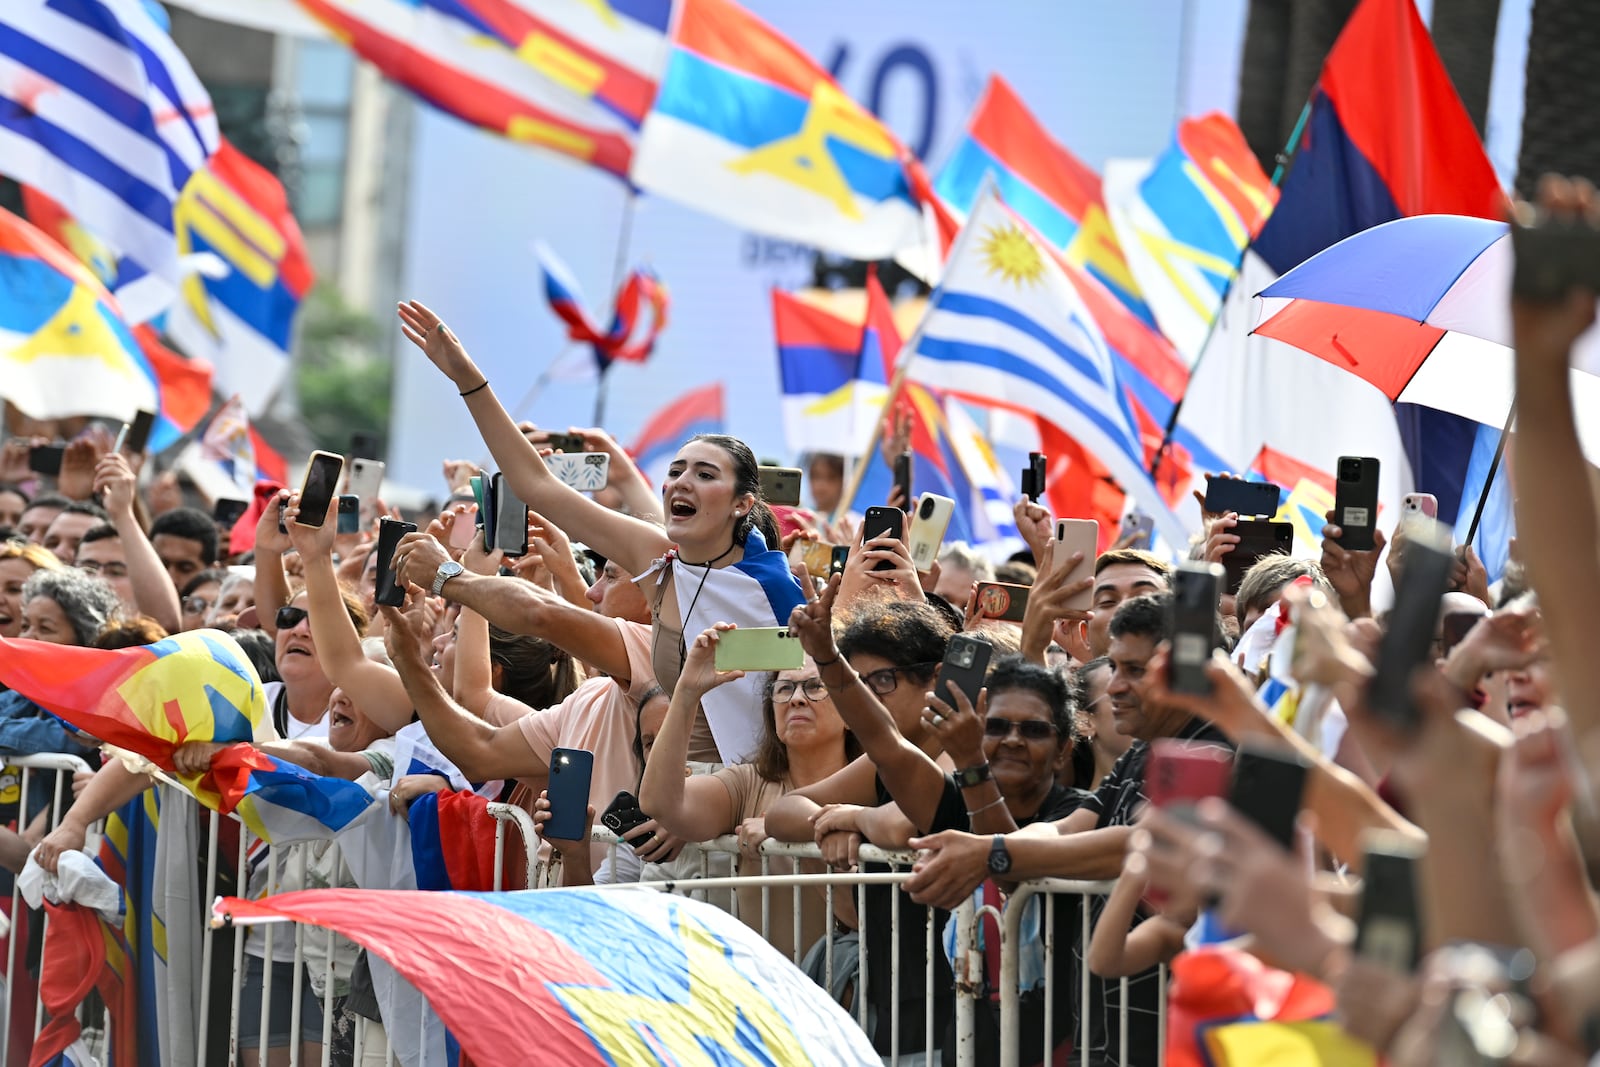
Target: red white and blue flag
695, 412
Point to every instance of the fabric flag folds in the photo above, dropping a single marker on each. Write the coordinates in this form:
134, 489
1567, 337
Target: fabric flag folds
748, 128
695, 412
601, 977
1007, 328
184, 386
639, 314
829, 398
104, 113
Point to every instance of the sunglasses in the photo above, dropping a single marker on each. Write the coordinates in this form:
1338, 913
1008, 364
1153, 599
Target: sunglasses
289, 618
1030, 729
196, 605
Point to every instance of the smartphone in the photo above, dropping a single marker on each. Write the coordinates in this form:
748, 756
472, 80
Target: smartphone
228, 511
365, 446
1192, 621
1001, 600
388, 592
1248, 500
1389, 917
816, 555
46, 459
1182, 773
780, 486
571, 770
464, 530
759, 648
349, 513
510, 518
837, 559
1415, 505
1032, 483
1073, 536
586, 472
1257, 538
136, 434
929, 521
570, 443
366, 478
283, 505
1267, 786
1138, 529
476, 482
318, 488
883, 522
1408, 641
966, 663
1355, 502
902, 477
1552, 256
623, 816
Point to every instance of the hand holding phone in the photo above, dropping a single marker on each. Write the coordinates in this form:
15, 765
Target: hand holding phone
758, 648
966, 664
883, 522
780, 486
318, 489
1196, 589
1355, 503
622, 816
1075, 536
389, 592
571, 770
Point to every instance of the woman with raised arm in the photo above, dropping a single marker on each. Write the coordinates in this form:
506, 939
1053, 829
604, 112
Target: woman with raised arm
710, 564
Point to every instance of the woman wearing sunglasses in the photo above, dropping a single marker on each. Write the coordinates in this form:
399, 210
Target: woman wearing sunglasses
299, 703
803, 741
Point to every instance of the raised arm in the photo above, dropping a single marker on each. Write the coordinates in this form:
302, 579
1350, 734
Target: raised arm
474, 671
624, 476
632, 542
318, 759
520, 607
383, 696
152, 587
697, 808
272, 587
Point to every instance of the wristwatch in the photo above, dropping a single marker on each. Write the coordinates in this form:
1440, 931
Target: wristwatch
967, 777
447, 570
999, 858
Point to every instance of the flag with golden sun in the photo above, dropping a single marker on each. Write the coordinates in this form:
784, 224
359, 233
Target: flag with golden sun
1007, 329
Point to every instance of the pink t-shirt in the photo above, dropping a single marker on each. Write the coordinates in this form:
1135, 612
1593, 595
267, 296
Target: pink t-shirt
600, 716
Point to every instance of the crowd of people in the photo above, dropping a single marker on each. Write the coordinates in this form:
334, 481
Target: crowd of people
604, 638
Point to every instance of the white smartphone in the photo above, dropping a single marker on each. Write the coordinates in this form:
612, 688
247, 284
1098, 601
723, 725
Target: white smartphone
1076, 535
1419, 505
586, 472
366, 479
929, 520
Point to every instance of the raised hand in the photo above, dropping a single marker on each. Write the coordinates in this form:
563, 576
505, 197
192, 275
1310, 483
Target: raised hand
417, 558
312, 541
812, 623
428, 332
1047, 606
1350, 572
1036, 527
700, 673
116, 483
959, 728
269, 539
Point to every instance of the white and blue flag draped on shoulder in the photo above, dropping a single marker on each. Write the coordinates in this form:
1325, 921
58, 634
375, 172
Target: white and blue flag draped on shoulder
1007, 328
99, 109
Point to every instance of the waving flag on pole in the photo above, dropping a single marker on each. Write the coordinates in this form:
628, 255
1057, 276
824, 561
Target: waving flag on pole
64, 347
1043, 182
1007, 328
106, 115
639, 315
569, 965
697, 411
748, 128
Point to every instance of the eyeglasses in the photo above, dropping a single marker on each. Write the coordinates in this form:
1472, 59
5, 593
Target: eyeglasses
289, 618
885, 681
110, 570
784, 691
196, 605
1030, 729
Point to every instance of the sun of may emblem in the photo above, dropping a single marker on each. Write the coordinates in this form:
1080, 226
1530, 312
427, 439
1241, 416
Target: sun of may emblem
1011, 255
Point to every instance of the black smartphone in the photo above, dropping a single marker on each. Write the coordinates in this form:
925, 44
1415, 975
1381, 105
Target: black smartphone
569, 443
1192, 611
1355, 502
388, 591
837, 559
1248, 500
570, 772
1032, 484
883, 522
227, 511
902, 479
1552, 257
349, 513
363, 445
780, 485
966, 662
622, 816
1267, 785
137, 435
510, 518
320, 485
1407, 643
1257, 538
1389, 918
46, 459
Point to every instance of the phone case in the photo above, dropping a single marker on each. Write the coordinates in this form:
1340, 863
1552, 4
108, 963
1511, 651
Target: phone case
759, 648
1247, 499
816, 555
1257, 538
622, 815
138, 433
1196, 589
1000, 600
390, 531
883, 522
586, 472
571, 770
966, 664
349, 514
929, 521
1388, 923
904, 465
1267, 786
1181, 773
510, 519
780, 486
1072, 536
318, 489
366, 478
464, 530
1355, 502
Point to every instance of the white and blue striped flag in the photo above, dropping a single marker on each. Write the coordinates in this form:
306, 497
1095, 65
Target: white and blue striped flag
100, 111
1006, 328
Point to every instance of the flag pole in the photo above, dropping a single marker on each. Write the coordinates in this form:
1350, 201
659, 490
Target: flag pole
1177, 408
1494, 468
618, 266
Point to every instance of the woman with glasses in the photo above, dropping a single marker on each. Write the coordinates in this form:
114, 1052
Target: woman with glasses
803, 741
199, 594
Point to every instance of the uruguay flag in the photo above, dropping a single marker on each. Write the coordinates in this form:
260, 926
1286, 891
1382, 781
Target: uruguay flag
695, 412
1007, 328
623, 976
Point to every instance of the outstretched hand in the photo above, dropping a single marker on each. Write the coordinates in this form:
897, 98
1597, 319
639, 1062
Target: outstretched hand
444, 350
812, 623
700, 674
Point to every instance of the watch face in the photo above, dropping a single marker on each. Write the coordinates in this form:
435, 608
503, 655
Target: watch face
999, 858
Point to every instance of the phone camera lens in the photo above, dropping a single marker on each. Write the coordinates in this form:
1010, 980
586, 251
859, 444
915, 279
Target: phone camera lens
927, 509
